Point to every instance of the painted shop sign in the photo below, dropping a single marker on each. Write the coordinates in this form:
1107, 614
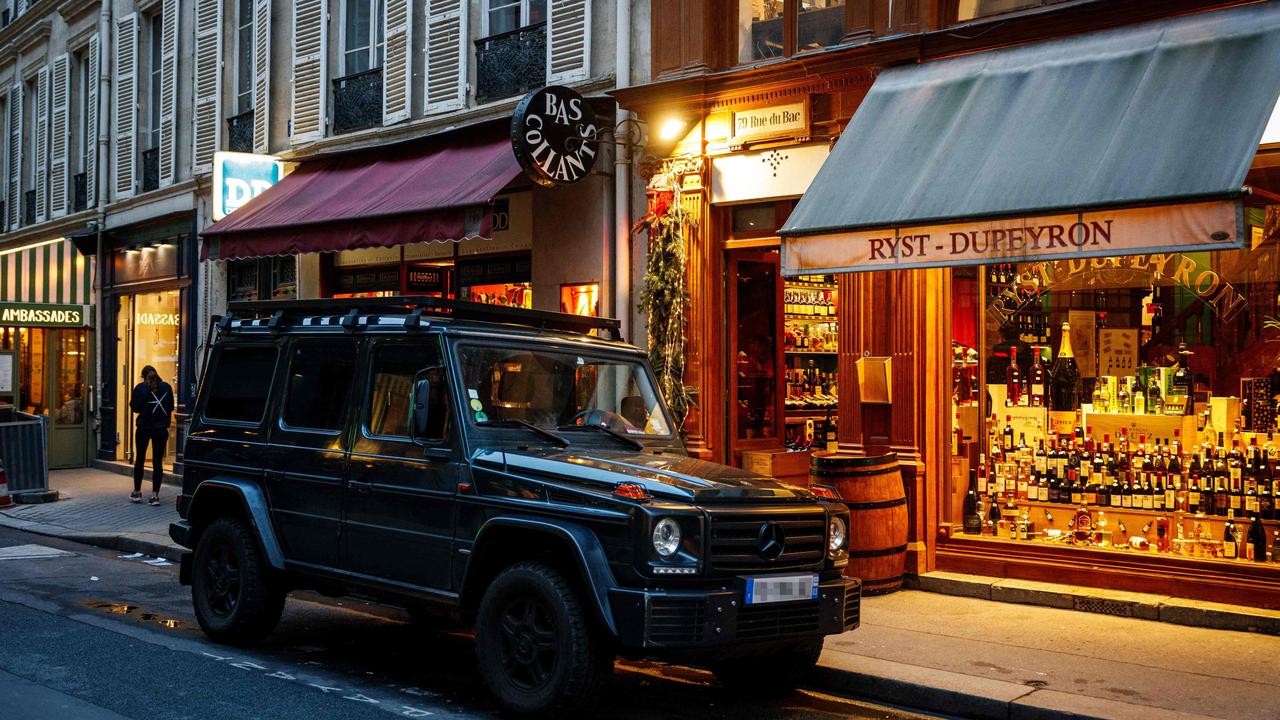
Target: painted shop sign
45, 315
1213, 225
775, 121
553, 135
1131, 270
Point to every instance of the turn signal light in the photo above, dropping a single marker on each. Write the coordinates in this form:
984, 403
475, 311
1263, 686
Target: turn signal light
632, 491
826, 492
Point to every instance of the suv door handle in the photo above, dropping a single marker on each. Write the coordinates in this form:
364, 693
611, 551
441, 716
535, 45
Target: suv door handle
360, 487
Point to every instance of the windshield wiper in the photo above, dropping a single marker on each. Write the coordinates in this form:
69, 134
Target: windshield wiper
516, 422
632, 442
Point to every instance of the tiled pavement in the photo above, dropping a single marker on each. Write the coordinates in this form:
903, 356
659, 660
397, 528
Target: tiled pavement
94, 507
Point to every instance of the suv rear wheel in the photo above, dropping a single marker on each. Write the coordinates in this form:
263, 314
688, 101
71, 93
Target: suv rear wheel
537, 650
236, 600
779, 671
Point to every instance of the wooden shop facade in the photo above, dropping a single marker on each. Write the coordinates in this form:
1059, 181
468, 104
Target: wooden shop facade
973, 233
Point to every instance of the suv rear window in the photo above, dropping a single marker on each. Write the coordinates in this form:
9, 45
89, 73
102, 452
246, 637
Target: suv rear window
319, 384
239, 384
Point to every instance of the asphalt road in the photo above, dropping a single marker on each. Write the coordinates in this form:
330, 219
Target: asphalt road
89, 634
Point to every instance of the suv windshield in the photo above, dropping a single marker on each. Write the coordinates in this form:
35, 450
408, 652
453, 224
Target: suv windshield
556, 389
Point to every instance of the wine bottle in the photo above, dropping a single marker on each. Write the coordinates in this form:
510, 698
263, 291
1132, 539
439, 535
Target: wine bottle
1229, 548
1064, 393
1182, 383
1258, 539
1013, 380
972, 516
1037, 376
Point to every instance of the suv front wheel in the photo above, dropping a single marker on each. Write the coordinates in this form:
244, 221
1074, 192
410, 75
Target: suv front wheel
236, 600
537, 649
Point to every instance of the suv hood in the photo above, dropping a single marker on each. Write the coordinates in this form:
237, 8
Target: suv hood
667, 476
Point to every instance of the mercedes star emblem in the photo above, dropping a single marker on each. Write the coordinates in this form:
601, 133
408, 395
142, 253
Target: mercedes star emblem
771, 542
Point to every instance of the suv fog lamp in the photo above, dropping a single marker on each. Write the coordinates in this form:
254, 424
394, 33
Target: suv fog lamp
666, 537
664, 570
837, 535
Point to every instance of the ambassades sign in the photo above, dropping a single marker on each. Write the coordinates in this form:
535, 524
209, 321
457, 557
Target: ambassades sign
775, 121
45, 315
240, 177
1213, 225
553, 135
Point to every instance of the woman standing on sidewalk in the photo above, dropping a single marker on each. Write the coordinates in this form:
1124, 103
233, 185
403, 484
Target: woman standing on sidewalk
153, 402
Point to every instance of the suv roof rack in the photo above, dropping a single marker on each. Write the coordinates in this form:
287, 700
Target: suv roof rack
425, 305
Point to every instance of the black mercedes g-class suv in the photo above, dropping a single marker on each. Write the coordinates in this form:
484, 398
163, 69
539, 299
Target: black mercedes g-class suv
505, 467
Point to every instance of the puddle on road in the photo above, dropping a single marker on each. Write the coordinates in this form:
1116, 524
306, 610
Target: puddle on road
135, 612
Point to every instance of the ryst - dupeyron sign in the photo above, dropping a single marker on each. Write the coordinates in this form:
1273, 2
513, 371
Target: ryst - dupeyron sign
553, 134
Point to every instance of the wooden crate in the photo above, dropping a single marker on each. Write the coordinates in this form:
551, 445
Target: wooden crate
784, 465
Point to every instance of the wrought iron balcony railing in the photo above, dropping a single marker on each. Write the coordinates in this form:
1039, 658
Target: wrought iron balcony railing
79, 192
357, 101
150, 169
240, 132
511, 63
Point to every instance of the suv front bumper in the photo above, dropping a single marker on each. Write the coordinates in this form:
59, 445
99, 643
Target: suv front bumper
688, 620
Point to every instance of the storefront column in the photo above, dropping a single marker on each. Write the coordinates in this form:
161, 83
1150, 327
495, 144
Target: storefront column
901, 315
704, 364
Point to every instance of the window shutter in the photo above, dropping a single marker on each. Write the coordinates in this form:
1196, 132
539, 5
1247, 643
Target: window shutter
206, 120
261, 75
42, 144
568, 41
446, 55
94, 58
397, 69
126, 110
168, 91
15, 155
61, 132
310, 60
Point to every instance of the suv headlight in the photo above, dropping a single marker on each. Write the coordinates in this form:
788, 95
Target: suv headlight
837, 535
666, 537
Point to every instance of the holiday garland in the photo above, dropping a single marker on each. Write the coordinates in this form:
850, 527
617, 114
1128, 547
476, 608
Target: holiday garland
665, 298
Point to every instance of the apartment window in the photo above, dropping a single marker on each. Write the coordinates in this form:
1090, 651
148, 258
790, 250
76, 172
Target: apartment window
362, 36
244, 55
765, 30
507, 15
29, 120
81, 117
154, 24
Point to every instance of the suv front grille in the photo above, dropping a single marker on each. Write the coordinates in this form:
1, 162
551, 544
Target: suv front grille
765, 622
676, 621
735, 541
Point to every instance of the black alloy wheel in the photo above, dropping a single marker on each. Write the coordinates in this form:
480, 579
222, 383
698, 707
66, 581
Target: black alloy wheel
539, 650
529, 652
237, 597
222, 591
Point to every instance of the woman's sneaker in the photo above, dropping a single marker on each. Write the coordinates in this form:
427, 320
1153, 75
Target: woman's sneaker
155, 500
135, 497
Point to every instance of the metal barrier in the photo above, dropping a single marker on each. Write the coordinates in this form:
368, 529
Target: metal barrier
24, 449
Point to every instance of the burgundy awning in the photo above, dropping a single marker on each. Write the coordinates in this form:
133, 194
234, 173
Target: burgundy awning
409, 193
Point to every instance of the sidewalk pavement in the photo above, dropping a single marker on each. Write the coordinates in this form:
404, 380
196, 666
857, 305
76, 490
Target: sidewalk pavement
959, 656
94, 508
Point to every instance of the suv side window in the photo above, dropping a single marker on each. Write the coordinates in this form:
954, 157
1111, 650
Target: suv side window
393, 368
320, 375
240, 383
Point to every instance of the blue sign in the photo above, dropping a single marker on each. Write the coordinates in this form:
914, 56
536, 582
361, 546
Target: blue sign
240, 177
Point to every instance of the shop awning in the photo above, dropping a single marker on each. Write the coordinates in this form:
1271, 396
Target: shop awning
409, 193
1024, 152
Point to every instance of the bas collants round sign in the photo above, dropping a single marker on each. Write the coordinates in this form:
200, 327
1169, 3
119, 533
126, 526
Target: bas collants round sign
553, 134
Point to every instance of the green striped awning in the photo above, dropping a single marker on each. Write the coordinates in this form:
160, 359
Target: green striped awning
46, 272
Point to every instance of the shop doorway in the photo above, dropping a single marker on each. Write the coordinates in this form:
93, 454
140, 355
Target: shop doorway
147, 334
51, 370
755, 351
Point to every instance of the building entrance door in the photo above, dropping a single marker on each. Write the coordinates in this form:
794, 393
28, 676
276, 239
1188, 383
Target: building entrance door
754, 351
147, 334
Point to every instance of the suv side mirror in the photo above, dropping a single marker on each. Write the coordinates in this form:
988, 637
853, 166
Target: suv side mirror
418, 411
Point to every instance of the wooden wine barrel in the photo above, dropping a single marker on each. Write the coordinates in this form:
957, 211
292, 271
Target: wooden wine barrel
872, 488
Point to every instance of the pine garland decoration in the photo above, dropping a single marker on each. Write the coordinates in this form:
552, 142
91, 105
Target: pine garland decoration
665, 299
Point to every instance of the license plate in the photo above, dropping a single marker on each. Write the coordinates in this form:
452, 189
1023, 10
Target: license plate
781, 588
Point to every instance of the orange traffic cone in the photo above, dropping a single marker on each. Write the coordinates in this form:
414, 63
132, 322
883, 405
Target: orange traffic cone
5, 500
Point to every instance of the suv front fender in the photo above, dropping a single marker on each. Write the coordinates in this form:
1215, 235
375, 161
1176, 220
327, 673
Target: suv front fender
211, 499
588, 556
